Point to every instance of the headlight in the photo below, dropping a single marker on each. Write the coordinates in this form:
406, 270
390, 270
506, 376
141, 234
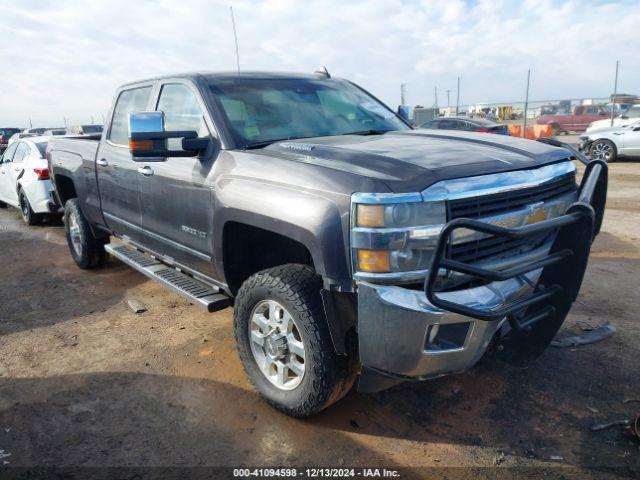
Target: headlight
394, 234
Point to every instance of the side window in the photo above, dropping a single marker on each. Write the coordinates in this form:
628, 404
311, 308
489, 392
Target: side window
9, 152
448, 124
21, 153
181, 112
134, 100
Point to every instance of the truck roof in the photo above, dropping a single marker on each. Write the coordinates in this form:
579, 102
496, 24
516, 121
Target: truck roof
209, 76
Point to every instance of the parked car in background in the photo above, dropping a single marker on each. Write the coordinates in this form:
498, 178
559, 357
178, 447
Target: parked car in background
35, 131
6, 133
24, 180
84, 129
17, 136
632, 115
576, 122
610, 143
55, 132
466, 124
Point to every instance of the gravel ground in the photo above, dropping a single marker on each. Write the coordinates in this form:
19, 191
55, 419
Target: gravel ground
85, 382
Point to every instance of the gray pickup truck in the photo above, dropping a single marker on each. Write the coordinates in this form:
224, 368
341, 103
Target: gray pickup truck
353, 247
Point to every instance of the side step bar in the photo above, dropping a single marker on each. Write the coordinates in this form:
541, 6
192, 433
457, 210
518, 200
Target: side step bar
197, 292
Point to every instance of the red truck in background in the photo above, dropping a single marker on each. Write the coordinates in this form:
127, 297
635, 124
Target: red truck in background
577, 122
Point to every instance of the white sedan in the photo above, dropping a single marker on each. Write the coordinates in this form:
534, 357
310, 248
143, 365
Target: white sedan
24, 180
610, 143
630, 116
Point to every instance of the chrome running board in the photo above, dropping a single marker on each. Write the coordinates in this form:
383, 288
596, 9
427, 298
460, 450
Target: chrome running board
202, 294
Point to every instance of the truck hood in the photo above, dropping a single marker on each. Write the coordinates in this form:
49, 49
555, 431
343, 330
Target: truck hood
414, 159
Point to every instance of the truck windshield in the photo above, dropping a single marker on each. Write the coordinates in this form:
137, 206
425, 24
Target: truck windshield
260, 111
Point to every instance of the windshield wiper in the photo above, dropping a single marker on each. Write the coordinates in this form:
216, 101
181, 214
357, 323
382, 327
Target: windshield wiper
264, 143
368, 132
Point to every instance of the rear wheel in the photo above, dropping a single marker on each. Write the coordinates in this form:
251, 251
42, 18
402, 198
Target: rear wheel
28, 215
603, 149
87, 250
557, 131
284, 342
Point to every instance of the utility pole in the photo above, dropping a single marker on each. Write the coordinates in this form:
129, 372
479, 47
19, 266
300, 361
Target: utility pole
458, 97
448, 92
235, 36
65, 122
436, 95
403, 92
30, 124
526, 104
615, 92
92, 120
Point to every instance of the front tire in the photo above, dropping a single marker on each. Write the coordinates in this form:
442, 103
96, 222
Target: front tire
603, 149
87, 250
284, 343
28, 215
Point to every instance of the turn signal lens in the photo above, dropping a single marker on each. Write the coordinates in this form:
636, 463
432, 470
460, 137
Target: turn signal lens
140, 144
374, 261
370, 215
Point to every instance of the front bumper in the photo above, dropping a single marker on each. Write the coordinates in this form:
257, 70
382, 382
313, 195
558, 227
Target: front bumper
406, 334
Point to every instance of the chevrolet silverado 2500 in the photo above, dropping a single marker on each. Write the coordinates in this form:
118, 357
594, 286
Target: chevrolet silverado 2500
354, 248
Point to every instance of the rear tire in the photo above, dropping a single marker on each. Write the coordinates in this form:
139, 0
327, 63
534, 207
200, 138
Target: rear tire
266, 303
3, 205
603, 149
87, 250
28, 215
557, 131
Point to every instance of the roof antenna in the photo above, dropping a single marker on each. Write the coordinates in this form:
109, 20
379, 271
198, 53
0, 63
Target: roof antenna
235, 36
323, 71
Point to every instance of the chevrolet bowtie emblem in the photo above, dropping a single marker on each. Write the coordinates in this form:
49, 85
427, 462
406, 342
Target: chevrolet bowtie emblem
536, 213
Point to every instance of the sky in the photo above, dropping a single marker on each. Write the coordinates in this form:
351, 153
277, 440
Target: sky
63, 59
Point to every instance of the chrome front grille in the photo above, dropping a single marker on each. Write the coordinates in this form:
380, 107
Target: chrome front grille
517, 207
499, 203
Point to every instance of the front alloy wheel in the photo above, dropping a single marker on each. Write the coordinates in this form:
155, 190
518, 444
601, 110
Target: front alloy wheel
603, 150
284, 341
276, 344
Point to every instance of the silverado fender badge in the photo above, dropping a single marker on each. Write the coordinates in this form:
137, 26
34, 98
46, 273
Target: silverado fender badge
193, 231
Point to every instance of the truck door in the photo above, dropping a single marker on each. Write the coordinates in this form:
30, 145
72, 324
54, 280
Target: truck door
177, 208
118, 177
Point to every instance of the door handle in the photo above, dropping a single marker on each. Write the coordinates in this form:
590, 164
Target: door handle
102, 162
17, 169
146, 171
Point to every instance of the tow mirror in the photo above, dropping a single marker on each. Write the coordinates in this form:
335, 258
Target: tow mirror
148, 139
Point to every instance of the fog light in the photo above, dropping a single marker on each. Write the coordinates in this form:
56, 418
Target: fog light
374, 261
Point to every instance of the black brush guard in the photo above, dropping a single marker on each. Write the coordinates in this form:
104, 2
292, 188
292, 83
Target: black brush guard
536, 317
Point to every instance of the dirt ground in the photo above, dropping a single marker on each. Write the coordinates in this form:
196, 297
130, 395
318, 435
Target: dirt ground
85, 382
